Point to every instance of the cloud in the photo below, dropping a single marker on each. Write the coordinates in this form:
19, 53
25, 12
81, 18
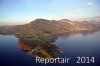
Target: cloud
88, 4
85, 6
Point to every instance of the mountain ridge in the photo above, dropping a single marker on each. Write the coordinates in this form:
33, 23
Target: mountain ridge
50, 26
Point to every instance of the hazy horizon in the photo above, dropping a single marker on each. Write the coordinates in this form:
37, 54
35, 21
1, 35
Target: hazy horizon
18, 12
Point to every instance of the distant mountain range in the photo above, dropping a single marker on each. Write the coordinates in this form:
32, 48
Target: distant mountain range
52, 26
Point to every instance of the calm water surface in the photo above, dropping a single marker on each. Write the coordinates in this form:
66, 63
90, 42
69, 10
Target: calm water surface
74, 44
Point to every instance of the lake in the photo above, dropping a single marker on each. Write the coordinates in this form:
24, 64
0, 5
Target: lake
77, 44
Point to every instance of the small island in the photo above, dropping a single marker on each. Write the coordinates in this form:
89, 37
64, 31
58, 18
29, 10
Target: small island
38, 44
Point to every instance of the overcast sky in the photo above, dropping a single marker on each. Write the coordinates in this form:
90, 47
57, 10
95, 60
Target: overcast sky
23, 11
